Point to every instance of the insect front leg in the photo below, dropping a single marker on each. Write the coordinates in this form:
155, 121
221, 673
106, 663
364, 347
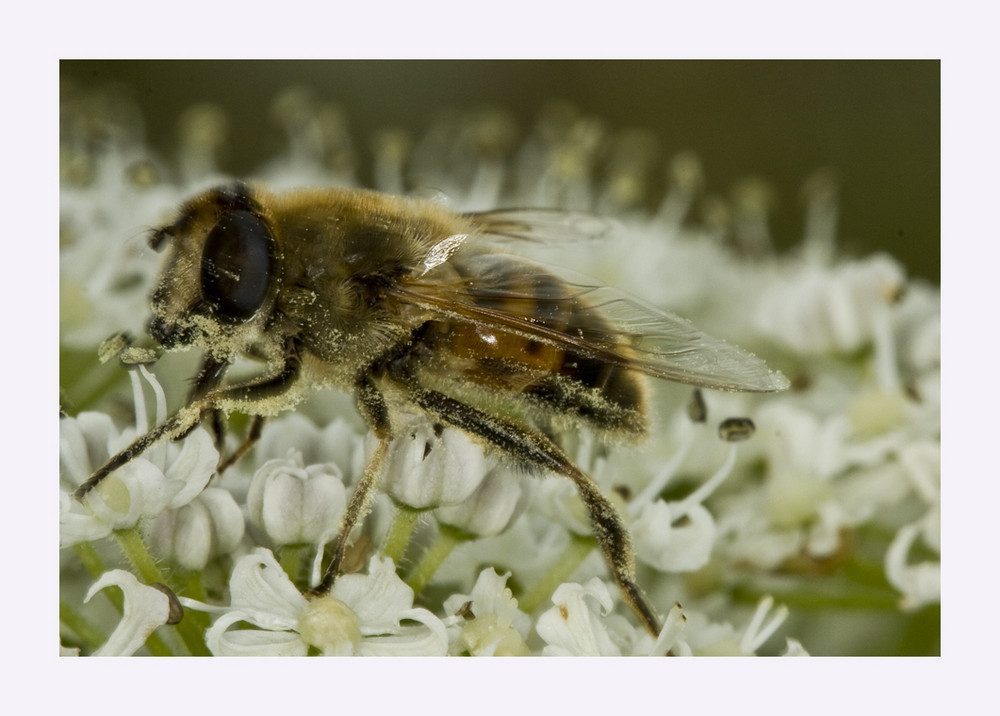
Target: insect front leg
533, 448
187, 418
372, 405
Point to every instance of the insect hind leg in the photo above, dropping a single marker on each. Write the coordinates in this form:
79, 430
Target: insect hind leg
533, 448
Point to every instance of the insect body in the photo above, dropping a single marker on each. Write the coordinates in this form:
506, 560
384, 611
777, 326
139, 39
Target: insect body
410, 307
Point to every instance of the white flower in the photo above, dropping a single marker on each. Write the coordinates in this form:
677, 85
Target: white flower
189, 536
581, 624
362, 615
822, 477
674, 548
573, 627
920, 583
794, 648
703, 637
817, 310
685, 546
102, 291
495, 504
429, 466
837, 460
336, 442
169, 477
487, 622
146, 608
295, 504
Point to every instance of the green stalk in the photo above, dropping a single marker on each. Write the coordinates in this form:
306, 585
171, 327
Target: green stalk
143, 563
89, 558
291, 560
447, 539
403, 524
89, 636
571, 558
194, 589
138, 556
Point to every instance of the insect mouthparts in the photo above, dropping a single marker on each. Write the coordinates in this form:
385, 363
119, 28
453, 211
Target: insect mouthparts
166, 334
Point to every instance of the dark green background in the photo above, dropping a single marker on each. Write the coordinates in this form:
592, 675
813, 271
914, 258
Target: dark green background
875, 123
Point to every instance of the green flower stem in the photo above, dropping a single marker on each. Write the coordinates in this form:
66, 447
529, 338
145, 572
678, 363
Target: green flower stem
194, 589
90, 560
822, 598
571, 558
403, 524
89, 636
143, 563
448, 538
88, 381
138, 556
158, 647
291, 560
192, 632
94, 565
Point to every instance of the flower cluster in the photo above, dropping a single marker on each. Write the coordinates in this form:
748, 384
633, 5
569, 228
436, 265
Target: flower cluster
830, 507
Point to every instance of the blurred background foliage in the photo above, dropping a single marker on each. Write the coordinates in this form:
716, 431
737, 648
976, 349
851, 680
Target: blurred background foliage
874, 124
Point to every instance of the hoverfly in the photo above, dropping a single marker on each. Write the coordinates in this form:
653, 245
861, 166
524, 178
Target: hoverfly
410, 307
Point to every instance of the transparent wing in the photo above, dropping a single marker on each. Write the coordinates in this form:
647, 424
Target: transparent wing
508, 294
667, 346
544, 227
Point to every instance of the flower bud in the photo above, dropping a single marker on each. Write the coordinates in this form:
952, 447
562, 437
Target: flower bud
295, 504
189, 536
497, 502
428, 466
673, 548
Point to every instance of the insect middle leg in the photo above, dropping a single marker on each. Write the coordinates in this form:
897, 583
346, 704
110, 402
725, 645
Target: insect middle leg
373, 408
209, 378
253, 435
533, 448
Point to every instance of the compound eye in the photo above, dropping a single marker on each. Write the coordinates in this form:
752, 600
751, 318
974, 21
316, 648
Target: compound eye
237, 264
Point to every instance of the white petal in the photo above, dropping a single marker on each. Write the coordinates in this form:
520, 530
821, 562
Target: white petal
128, 494
145, 609
83, 445
490, 595
190, 470
228, 525
674, 549
263, 592
794, 648
573, 626
251, 642
324, 502
77, 523
491, 508
673, 625
378, 598
919, 583
430, 639
294, 504
424, 470
191, 535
